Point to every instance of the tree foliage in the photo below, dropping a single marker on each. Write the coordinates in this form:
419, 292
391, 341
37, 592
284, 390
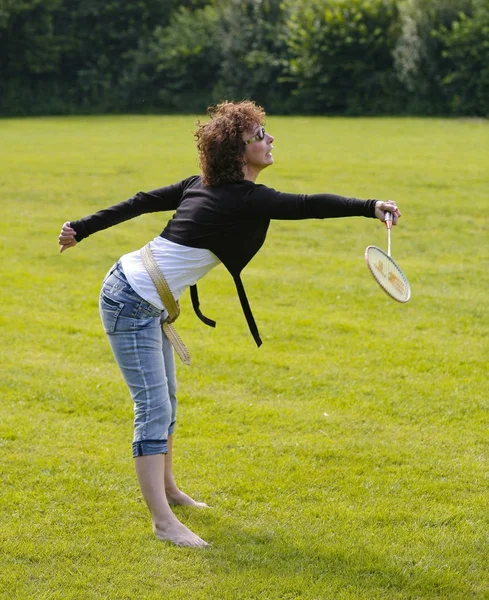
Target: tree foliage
342, 54
466, 51
308, 56
420, 59
181, 62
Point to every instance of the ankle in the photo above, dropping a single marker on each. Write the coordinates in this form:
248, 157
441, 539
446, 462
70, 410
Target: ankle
164, 522
171, 488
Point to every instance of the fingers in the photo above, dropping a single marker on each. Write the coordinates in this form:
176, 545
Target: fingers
66, 238
67, 245
390, 206
63, 238
67, 229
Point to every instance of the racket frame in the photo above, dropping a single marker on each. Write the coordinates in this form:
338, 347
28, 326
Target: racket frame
380, 277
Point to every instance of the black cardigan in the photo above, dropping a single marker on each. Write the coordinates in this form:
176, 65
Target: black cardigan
230, 220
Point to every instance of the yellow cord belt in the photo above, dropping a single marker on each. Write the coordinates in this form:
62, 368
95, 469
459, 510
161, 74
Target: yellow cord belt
169, 303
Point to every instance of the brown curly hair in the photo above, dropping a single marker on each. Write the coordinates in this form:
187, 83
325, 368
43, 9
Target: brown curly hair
220, 141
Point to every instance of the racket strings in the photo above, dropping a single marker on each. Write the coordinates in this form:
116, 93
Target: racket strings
388, 274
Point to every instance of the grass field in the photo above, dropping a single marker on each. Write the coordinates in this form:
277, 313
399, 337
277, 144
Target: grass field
346, 459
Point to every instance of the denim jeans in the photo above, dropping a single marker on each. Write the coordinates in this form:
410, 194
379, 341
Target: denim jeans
145, 358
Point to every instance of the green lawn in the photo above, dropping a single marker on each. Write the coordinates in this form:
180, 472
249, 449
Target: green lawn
347, 458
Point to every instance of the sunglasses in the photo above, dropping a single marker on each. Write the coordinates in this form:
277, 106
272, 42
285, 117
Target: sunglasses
258, 137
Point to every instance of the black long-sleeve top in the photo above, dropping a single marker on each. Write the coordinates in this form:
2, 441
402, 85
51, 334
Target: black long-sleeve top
229, 220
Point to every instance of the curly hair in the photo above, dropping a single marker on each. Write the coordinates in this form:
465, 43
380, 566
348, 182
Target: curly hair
220, 141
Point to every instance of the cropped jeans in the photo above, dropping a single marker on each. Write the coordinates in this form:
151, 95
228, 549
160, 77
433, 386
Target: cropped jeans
145, 358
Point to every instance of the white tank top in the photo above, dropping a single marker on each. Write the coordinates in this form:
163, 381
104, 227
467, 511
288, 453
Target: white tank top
182, 266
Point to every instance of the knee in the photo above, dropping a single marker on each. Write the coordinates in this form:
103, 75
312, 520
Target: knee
151, 426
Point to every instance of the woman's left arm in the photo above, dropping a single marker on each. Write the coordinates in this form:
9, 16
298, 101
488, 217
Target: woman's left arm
161, 199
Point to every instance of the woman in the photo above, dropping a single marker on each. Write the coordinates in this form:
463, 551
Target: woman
221, 215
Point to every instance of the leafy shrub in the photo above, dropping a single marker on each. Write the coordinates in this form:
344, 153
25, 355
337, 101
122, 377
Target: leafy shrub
466, 51
179, 66
420, 53
306, 56
342, 55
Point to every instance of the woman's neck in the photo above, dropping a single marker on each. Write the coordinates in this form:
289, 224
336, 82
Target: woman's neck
251, 173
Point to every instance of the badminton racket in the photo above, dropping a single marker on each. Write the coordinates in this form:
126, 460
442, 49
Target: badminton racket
385, 270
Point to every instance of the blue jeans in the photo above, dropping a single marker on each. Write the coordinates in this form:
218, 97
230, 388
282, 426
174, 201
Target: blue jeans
145, 358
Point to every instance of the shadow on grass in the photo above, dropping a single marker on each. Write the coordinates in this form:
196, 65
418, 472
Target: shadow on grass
273, 564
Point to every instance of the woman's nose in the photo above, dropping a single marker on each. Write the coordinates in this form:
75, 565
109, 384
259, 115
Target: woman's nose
270, 136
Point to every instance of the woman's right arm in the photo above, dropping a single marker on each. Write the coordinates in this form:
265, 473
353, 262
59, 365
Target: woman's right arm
270, 204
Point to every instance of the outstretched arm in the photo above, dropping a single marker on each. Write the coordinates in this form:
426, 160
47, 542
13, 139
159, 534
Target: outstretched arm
270, 204
161, 199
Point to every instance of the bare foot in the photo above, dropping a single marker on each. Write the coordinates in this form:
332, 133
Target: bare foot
174, 531
175, 496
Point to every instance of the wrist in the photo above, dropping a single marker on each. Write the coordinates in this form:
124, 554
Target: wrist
378, 211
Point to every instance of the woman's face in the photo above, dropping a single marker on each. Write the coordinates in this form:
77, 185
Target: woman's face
258, 152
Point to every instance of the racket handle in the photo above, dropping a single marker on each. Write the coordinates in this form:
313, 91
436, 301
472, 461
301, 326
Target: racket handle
388, 219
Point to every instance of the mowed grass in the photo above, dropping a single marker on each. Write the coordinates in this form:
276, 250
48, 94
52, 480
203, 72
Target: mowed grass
347, 458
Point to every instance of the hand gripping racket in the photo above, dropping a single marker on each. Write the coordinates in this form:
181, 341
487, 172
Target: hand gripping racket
385, 270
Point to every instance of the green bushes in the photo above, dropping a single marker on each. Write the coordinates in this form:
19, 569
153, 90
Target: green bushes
421, 59
177, 66
466, 50
342, 55
307, 56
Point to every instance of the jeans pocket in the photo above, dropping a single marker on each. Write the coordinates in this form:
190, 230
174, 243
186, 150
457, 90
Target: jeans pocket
110, 310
